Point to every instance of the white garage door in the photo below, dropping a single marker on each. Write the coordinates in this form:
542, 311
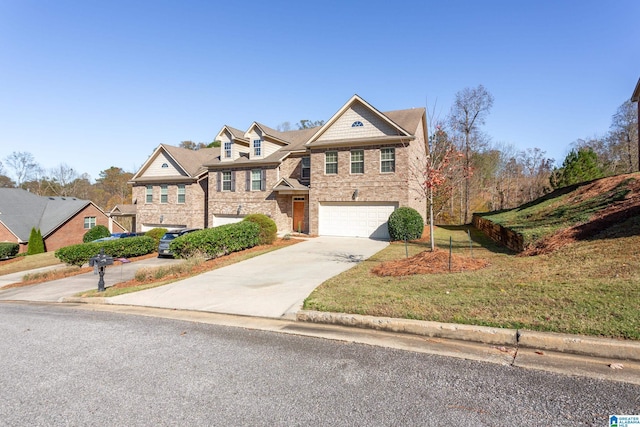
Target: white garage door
226, 219
357, 219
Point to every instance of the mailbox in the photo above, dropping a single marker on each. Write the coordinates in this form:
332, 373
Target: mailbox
99, 262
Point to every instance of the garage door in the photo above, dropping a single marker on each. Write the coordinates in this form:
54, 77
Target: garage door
226, 219
357, 219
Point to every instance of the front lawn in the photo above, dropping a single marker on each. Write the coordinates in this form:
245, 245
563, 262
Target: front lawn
589, 287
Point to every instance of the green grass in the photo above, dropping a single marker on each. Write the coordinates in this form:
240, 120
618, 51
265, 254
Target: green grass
590, 287
560, 209
28, 262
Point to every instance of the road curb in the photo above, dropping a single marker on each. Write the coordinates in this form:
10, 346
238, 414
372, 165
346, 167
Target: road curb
482, 334
607, 348
81, 300
545, 341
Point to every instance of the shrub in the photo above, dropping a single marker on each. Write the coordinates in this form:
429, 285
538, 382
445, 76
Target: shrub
8, 250
405, 224
217, 241
118, 248
97, 232
156, 234
268, 228
36, 243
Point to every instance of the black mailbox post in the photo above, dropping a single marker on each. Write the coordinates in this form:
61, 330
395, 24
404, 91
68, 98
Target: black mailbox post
99, 262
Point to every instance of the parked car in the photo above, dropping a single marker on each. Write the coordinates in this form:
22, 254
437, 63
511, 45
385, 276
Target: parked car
115, 236
163, 247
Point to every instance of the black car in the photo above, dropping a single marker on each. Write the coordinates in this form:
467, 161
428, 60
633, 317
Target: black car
163, 247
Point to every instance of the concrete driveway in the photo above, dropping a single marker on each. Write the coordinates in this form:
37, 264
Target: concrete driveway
56, 289
270, 285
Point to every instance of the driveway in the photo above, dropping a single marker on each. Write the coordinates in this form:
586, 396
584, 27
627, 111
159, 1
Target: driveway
56, 289
270, 285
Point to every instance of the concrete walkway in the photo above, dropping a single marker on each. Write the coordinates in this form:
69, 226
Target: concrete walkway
270, 285
55, 290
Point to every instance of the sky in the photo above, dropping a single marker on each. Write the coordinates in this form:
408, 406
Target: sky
95, 84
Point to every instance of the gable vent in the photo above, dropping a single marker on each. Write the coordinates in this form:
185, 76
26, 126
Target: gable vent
164, 165
357, 124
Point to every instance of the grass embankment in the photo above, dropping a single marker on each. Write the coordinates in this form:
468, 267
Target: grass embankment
589, 286
28, 262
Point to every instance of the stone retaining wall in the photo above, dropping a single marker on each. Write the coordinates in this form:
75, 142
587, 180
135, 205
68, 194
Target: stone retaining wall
498, 233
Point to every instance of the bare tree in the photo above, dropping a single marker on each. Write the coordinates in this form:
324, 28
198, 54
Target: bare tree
23, 165
624, 135
63, 175
469, 111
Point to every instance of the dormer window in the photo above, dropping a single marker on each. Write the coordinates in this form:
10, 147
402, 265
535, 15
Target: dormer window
357, 124
227, 150
257, 147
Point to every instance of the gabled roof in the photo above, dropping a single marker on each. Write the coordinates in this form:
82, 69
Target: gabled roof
123, 210
290, 185
189, 161
20, 211
356, 99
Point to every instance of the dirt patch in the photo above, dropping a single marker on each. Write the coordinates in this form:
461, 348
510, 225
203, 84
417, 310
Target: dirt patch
428, 262
600, 223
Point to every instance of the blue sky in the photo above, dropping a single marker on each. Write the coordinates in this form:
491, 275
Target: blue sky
96, 84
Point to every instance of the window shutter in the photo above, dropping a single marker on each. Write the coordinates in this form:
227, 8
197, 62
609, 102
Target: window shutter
247, 181
263, 180
219, 181
233, 180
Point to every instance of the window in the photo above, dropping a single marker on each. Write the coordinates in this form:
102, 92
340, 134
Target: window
226, 181
305, 168
357, 124
387, 160
256, 180
357, 161
149, 198
227, 150
331, 162
257, 147
182, 193
164, 194
89, 222
164, 165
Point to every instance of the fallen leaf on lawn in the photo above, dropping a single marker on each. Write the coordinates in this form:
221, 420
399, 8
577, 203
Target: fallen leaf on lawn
541, 353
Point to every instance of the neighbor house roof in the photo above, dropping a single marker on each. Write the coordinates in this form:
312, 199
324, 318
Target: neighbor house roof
20, 211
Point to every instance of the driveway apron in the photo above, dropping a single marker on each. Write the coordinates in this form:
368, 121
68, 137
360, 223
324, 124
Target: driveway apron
270, 285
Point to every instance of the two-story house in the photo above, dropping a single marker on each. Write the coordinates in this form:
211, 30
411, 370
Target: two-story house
170, 190
340, 179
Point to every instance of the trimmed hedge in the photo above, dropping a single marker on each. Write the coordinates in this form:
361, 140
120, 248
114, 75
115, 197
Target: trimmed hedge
118, 248
8, 250
405, 224
217, 241
268, 228
156, 233
97, 232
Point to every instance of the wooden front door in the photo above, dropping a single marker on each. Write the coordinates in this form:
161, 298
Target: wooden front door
298, 216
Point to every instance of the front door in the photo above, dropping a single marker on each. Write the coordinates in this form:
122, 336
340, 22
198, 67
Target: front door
298, 216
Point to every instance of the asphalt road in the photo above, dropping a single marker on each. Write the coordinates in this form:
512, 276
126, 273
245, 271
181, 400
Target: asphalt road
65, 366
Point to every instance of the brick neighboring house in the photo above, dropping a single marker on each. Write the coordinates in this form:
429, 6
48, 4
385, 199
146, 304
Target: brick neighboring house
63, 221
171, 188
340, 179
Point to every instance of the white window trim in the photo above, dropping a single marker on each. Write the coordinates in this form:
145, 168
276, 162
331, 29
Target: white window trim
164, 193
258, 148
148, 193
228, 152
303, 168
181, 193
351, 162
326, 163
88, 220
393, 150
224, 180
253, 179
